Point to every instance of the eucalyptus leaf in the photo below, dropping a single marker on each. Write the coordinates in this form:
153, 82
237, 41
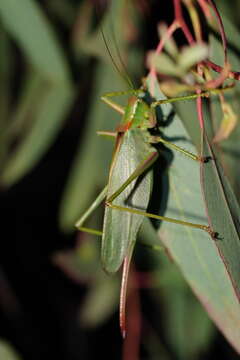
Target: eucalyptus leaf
91, 42
51, 112
192, 55
225, 221
27, 24
194, 251
163, 64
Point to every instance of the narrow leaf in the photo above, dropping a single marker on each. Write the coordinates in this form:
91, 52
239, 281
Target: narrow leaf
163, 64
192, 55
28, 26
52, 111
194, 251
223, 211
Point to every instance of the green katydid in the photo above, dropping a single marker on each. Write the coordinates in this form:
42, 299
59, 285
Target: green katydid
128, 191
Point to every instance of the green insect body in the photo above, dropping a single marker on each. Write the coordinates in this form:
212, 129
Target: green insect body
132, 148
128, 191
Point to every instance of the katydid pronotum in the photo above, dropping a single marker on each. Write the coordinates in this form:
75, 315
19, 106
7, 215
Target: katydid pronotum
128, 191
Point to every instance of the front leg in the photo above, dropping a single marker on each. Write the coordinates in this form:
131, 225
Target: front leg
106, 98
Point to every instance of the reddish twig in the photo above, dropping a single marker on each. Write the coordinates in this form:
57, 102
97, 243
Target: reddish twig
231, 74
179, 23
182, 24
131, 345
221, 28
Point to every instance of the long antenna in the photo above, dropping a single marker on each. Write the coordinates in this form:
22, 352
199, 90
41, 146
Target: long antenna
122, 74
122, 71
126, 74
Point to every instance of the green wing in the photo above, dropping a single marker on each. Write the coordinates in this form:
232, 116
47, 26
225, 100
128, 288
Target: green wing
120, 228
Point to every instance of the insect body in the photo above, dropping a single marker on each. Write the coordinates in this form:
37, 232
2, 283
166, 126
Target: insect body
128, 191
133, 154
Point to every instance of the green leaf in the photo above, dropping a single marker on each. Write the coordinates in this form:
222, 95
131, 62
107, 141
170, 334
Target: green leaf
5, 76
194, 251
7, 352
25, 21
183, 315
188, 57
192, 55
52, 109
44, 105
90, 42
163, 64
6, 69
223, 211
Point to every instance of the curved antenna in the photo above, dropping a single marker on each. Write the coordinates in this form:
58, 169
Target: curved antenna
124, 74
125, 71
122, 71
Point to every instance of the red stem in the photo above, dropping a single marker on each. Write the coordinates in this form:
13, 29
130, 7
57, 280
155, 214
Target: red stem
179, 18
160, 46
221, 28
231, 74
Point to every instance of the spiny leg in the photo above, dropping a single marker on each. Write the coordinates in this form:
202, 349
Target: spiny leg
90, 231
163, 218
111, 134
121, 93
159, 139
190, 97
106, 97
144, 165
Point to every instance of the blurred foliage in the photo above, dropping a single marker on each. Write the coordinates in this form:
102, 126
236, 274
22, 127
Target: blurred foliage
54, 61
6, 352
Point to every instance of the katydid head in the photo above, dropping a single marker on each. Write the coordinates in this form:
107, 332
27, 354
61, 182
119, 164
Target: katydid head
138, 114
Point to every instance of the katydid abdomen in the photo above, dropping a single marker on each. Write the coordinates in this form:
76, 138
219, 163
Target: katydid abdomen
120, 228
